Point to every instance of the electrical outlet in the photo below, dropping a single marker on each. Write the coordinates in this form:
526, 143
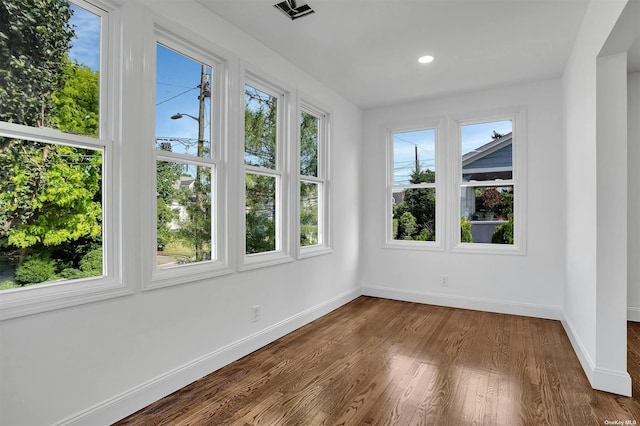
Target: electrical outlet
444, 280
257, 313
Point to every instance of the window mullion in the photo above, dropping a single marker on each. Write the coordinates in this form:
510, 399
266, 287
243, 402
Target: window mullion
478, 184
311, 179
185, 158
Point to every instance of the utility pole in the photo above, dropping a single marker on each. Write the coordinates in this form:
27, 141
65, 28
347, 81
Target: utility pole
198, 183
201, 97
417, 161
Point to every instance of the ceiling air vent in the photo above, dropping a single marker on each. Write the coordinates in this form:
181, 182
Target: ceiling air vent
293, 11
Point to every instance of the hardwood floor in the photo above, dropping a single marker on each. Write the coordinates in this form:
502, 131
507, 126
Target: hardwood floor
381, 362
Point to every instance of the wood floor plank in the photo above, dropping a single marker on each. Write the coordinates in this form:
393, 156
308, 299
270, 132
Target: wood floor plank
383, 362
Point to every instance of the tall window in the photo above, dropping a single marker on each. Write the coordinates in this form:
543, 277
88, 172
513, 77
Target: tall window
57, 154
413, 186
51, 183
313, 198
186, 160
263, 168
487, 185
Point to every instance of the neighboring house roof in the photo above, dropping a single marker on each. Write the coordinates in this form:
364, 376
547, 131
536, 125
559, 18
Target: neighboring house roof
493, 160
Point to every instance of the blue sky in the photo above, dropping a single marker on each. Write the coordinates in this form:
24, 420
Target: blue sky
177, 81
85, 47
475, 135
404, 153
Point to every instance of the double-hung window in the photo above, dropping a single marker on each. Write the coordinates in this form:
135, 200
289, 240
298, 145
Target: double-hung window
59, 216
489, 171
187, 148
415, 191
313, 213
265, 158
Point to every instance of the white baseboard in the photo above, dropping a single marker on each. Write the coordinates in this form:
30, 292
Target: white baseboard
633, 314
618, 382
581, 352
144, 394
477, 304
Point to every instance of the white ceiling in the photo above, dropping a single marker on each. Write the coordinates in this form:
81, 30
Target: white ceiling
367, 50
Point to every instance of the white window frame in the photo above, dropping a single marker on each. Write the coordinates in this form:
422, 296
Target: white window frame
285, 117
55, 295
517, 115
440, 186
219, 264
324, 245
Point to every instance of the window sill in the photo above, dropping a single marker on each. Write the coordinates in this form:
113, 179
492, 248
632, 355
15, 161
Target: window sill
188, 273
487, 248
413, 245
312, 251
57, 295
263, 260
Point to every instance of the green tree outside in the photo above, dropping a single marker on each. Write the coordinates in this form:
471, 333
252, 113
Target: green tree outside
416, 214
260, 213
309, 191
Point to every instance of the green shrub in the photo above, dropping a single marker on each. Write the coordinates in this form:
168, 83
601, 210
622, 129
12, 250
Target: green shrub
91, 263
425, 235
35, 270
465, 231
503, 233
407, 226
71, 274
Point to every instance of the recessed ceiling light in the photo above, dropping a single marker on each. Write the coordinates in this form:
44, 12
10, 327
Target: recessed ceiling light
425, 59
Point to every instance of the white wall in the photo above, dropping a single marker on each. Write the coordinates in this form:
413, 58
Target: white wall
633, 170
586, 315
98, 362
528, 284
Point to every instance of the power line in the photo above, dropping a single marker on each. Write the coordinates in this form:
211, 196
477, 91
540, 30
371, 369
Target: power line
179, 94
414, 144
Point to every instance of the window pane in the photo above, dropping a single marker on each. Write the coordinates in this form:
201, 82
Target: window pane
260, 127
487, 152
308, 144
414, 214
260, 211
309, 213
51, 77
183, 104
414, 158
183, 213
487, 212
50, 211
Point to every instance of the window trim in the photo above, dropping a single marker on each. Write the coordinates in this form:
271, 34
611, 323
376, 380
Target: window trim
323, 180
286, 110
191, 47
55, 295
438, 125
517, 115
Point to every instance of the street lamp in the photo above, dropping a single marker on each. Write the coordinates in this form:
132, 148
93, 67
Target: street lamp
179, 115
